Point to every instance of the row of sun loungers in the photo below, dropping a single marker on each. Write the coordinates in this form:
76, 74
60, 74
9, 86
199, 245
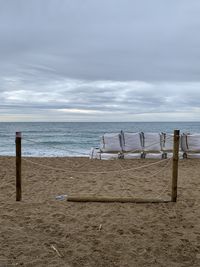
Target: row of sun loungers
145, 145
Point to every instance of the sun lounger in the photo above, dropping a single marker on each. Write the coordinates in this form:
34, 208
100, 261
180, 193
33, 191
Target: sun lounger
191, 145
152, 145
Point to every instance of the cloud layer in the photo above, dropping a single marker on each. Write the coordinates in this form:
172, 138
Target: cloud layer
70, 99
99, 60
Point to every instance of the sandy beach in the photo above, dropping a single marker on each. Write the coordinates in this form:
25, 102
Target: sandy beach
43, 231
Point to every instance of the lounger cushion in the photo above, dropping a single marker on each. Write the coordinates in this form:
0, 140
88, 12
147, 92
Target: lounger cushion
152, 142
131, 142
111, 142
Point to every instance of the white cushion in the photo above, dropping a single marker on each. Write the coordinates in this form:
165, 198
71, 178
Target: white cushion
190, 142
167, 142
108, 156
193, 155
152, 142
170, 154
111, 142
153, 156
131, 142
132, 156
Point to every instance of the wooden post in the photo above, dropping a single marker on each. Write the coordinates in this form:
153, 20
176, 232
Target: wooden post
115, 199
18, 166
175, 165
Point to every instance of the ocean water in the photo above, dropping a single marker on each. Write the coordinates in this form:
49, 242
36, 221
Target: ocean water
42, 139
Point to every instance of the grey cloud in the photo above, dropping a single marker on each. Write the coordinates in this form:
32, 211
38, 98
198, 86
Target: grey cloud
122, 60
71, 98
127, 40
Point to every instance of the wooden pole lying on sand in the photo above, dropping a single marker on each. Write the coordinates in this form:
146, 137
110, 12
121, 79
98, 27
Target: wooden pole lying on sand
114, 199
175, 165
18, 166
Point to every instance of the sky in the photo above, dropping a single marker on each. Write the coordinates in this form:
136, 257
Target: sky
91, 60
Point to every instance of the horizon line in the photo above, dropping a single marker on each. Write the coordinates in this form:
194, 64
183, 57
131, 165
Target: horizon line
99, 121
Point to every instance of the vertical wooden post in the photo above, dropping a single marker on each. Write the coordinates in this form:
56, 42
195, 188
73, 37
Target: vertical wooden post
175, 165
18, 166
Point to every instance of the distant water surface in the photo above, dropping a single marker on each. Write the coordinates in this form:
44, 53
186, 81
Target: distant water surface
74, 138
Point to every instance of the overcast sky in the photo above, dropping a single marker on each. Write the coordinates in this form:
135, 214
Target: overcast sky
99, 60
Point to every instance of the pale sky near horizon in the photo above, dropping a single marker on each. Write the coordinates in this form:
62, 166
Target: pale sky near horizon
108, 60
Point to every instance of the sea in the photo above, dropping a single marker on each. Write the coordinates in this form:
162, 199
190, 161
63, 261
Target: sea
58, 139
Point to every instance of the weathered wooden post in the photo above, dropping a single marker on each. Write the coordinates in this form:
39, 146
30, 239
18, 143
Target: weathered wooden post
175, 165
18, 166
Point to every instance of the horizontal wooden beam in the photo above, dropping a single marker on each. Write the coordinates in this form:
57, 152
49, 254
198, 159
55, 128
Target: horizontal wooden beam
114, 199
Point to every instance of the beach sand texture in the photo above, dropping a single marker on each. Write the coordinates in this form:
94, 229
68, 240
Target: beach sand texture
43, 231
